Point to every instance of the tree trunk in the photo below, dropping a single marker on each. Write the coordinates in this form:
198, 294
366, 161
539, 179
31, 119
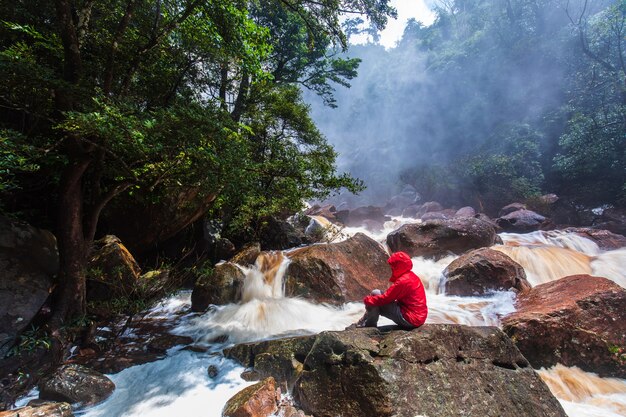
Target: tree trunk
73, 250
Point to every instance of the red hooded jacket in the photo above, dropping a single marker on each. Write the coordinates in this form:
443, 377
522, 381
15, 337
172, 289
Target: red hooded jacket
406, 289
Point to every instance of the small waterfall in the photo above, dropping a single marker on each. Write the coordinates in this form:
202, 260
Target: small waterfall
548, 256
264, 312
266, 279
584, 394
552, 238
547, 263
179, 383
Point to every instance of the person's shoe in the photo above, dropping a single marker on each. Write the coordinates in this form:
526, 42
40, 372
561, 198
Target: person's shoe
352, 326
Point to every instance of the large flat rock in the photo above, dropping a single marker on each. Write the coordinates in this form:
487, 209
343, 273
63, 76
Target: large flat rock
578, 320
435, 370
438, 238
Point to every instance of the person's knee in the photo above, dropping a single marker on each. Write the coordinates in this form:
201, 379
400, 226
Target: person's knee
376, 292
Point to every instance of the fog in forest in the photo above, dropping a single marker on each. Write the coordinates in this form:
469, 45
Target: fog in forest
485, 77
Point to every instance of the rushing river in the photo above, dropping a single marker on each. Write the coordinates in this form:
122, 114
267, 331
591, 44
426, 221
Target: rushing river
180, 384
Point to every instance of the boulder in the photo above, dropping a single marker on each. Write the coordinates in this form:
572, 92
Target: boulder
278, 234
373, 226
112, 271
399, 202
361, 214
258, 400
420, 210
338, 272
435, 215
436, 238
612, 219
28, 262
511, 208
483, 270
578, 320
220, 286
466, 211
411, 211
283, 358
436, 370
76, 384
522, 221
327, 211
247, 255
603, 238
428, 207
342, 216
44, 410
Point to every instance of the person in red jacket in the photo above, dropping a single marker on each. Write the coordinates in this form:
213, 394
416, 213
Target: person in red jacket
404, 302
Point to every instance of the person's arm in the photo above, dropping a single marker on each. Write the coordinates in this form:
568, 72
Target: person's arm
397, 290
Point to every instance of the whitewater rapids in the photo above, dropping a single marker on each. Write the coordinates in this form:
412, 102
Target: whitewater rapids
179, 384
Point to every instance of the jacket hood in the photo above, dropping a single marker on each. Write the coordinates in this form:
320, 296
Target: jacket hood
400, 263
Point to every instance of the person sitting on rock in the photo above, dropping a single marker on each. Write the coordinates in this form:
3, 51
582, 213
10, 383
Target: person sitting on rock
404, 302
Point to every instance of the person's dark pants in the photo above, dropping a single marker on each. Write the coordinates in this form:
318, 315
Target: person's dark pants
391, 311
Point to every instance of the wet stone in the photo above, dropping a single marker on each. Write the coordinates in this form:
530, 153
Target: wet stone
213, 371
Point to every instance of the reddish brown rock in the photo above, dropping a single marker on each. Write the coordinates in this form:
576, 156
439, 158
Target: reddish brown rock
338, 272
603, 238
112, 270
436, 238
76, 384
44, 410
483, 270
258, 400
247, 255
327, 211
578, 320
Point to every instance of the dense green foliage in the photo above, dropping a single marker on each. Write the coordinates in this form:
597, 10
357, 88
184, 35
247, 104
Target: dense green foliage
125, 104
174, 94
496, 101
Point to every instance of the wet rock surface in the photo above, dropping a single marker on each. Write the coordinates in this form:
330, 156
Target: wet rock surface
437, 238
28, 262
483, 270
511, 208
522, 221
436, 370
605, 239
578, 320
125, 343
359, 215
221, 286
44, 410
338, 272
76, 384
112, 271
258, 400
247, 255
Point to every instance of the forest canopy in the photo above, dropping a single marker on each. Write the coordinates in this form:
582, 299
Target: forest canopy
496, 101
137, 113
